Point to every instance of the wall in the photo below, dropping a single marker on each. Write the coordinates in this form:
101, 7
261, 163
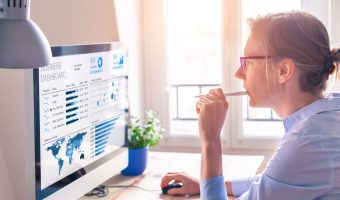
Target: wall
334, 23
6, 187
328, 12
335, 32
16, 134
88, 21
130, 32
76, 21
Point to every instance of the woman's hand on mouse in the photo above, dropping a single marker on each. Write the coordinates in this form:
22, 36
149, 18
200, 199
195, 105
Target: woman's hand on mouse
190, 184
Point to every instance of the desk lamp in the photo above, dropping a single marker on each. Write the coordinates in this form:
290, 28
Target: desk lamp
22, 44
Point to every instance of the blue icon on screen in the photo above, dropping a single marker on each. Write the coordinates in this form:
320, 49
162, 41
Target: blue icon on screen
118, 61
96, 65
100, 62
121, 60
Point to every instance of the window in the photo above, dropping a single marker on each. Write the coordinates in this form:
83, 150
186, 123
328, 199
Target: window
193, 46
194, 38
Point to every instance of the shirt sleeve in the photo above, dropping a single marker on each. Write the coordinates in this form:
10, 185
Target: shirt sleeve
240, 186
213, 189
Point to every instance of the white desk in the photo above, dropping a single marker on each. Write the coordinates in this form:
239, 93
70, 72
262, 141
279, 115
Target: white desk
159, 163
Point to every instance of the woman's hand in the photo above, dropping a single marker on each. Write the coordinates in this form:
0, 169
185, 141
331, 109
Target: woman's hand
190, 184
211, 109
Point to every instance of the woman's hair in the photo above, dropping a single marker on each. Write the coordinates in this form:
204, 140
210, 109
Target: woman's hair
303, 38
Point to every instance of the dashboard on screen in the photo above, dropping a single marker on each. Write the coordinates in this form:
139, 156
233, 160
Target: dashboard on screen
80, 104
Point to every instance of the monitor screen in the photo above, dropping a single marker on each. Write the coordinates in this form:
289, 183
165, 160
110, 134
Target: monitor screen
80, 108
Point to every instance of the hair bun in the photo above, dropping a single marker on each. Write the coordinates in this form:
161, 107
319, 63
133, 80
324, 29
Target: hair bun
328, 62
335, 55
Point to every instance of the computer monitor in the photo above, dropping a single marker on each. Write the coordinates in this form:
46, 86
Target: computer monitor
80, 112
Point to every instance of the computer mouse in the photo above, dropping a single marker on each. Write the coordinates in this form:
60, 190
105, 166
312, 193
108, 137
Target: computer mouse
170, 186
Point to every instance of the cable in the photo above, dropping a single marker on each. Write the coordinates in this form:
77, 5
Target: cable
102, 190
132, 186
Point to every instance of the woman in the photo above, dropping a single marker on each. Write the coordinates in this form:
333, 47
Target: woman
287, 61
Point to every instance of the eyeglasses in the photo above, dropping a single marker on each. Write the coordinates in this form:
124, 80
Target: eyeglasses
243, 60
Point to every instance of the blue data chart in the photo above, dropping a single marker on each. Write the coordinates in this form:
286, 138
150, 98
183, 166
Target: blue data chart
72, 106
76, 104
118, 60
102, 132
66, 148
96, 64
107, 95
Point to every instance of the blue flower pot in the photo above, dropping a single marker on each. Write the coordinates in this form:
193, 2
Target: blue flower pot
138, 159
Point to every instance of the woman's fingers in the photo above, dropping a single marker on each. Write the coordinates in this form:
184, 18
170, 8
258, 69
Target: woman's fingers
211, 109
171, 177
206, 99
190, 184
178, 191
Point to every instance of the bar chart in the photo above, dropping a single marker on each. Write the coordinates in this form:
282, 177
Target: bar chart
102, 132
76, 104
72, 107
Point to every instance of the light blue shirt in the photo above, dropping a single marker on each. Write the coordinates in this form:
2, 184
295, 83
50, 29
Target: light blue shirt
305, 165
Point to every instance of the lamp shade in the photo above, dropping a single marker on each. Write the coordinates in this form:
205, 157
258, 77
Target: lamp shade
22, 43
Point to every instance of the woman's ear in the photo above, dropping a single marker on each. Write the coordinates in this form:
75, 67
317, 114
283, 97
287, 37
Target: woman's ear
285, 70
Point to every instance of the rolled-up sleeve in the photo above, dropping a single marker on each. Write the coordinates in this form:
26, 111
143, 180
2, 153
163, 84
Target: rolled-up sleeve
213, 189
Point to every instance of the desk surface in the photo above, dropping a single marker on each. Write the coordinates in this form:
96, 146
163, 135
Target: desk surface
159, 163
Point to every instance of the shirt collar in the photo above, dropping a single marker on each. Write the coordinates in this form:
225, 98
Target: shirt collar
329, 103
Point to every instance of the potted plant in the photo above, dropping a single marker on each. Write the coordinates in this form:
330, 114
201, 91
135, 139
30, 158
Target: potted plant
140, 138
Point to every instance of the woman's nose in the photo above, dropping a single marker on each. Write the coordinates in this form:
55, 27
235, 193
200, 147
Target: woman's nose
239, 73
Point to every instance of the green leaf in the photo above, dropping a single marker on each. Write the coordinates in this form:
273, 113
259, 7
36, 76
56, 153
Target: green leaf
147, 134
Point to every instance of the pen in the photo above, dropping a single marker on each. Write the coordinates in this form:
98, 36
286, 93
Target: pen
231, 94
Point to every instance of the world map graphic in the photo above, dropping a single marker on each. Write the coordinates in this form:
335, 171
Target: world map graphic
67, 148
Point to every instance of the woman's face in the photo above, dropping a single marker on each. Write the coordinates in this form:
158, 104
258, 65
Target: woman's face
257, 80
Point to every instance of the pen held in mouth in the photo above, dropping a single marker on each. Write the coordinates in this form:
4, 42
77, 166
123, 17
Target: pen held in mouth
231, 94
